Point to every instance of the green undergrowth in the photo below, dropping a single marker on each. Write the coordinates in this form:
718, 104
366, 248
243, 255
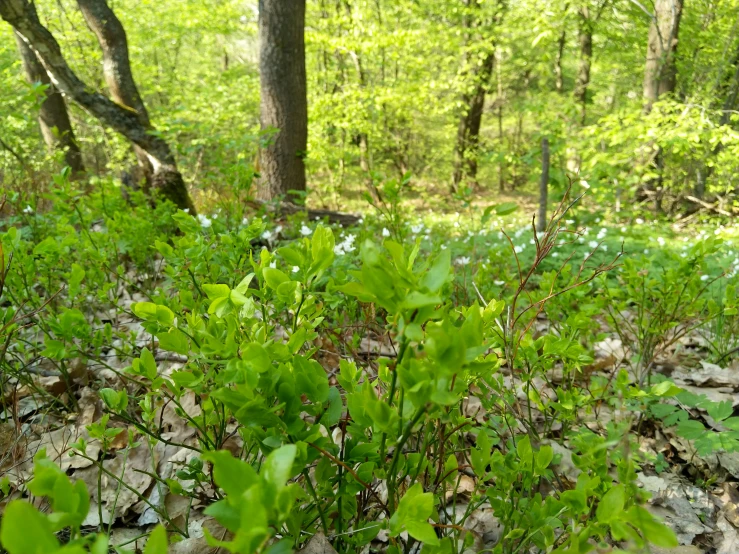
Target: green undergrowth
378, 445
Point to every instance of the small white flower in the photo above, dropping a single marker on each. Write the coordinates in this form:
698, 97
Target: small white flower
646, 250
462, 260
593, 244
186, 210
360, 220
267, 235
639, 221
555, 254
704, 277
623, 229
499, 283
278, 229
415, 229
273, 265
245, 221
385, 232
660, 241
597, 220
295, 269
518, 249
305, 230
205, 221
443, 246
456, 224
604, 247
569, 221
28, 209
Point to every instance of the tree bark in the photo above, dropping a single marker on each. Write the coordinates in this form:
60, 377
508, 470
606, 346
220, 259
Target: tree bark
541, 223
111, 37
167, 179
559, 78
53, 118
284, 104
585, 37
660, 73
468, 129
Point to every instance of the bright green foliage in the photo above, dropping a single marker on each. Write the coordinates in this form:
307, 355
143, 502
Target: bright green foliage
378, 445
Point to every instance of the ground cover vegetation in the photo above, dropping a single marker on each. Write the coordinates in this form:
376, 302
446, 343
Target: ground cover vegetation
271, 277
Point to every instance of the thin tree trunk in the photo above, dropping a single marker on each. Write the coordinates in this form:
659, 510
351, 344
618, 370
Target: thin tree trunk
53, 117
585, 37
22, 16
729, 105
112, 39
559, 78
284, 104
470, 121
541, 223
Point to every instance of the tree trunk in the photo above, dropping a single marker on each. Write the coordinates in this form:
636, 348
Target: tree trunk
541, 223
468, 129
284, 104
53, 118
22, 16
559, 78
117, 70
585, 37
660, 73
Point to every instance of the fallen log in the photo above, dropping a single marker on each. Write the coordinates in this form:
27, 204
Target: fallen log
288, 208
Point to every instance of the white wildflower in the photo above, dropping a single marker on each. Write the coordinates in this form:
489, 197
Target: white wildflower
639, 221
462, 260
273, 265
704, 277
295, 269
385, 232
415, 229
593, 244
28, 209
305, 230
205, 221
499, 283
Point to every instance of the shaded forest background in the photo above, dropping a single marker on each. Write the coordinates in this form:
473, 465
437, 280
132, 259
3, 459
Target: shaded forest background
399, 88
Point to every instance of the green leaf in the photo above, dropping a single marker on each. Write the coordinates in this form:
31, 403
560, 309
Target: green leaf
26, 531
438, 273
422, 531
277, 467
174, 340
274, 277
611, 505
157, 543
234, 476
216, 291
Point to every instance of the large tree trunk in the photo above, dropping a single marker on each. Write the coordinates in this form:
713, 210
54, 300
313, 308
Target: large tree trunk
53, 118
585, 37
284, 104
22, 16
660, 73
117, 70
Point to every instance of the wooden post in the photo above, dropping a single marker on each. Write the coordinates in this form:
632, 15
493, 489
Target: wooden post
541, 223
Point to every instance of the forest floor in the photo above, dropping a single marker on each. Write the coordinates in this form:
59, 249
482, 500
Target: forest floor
696, 494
